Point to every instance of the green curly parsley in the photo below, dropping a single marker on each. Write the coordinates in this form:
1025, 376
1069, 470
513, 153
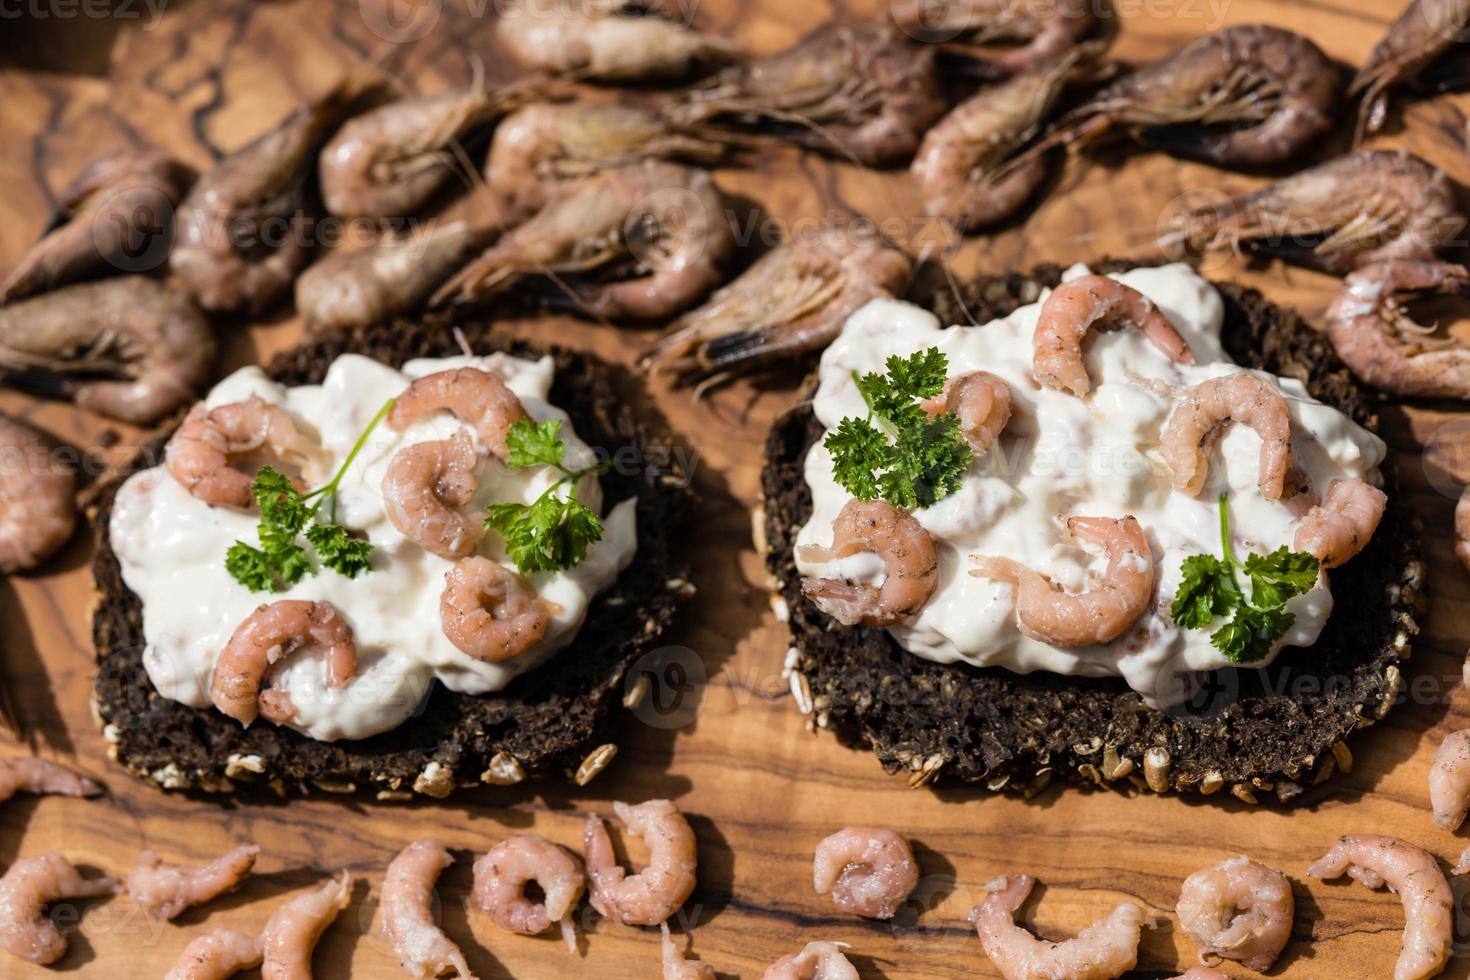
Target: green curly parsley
553, 532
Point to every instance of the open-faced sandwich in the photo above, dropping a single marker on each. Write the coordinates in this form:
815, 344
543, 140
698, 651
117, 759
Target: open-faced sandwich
395, 560
1134, 528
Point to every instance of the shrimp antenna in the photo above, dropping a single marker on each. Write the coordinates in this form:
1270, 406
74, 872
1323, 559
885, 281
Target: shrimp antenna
954, 288
571, 294
463, 342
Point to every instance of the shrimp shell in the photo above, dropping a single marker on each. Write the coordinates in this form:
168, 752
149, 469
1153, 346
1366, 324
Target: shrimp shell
165, 890
27, 774
1341, 525
869, 871
408, 912
38, 507
1198, 414
655, 893
293, 930
676, 967
816, 961
1449, 781
1104, 950
910, 561
1238, 910
216, 955
267, 636
1425, 31
28, 886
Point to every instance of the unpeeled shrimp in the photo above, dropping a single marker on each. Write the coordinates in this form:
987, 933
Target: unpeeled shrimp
1238, 910
130, 348
216, 955
1076, 308
910, 561
198, 454
816, 961
424, 492
655, 893
1414, 874
1426, 30
269, 635
676, 967
1102, 613
1202, 409
27, 774
869, 871
1342, 524
408, 912
982, 402
1044, 29
293, 930
1449, 780
28, 886
501, 875
1106, 949
1379, 342
38, 506
165, 890
480, 399
489, 612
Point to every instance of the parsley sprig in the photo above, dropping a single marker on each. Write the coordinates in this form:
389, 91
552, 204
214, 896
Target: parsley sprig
553, 532
898, 452
1210, 589
286, 515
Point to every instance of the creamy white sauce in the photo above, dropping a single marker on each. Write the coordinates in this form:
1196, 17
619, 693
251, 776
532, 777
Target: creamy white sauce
171, 548
1062, 456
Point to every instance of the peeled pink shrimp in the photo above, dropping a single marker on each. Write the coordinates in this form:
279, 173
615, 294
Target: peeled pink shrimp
983, 403
501, 875
480, 399
910, 561
1238, 910
408, 912
816, 961
269, 635
676, 967
1415, 876
1106, 949
1449, 780
27, 774
868, 870
291, 933
1341, 525
1202, 973
38, 506
489, 612
1099, 615
217, 955
1090, 303
424, 491
198, 454
655, 893
29, 885
1201, 410
165, 890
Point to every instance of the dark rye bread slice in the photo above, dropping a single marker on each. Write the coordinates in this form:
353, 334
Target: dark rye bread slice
545, 724
1277, 731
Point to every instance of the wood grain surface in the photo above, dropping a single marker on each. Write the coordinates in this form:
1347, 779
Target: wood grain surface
736, 754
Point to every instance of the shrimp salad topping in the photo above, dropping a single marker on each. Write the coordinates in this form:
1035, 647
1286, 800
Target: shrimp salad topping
173, 543
1062, 545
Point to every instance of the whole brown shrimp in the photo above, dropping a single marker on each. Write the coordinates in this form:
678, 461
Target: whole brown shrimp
408, 912
216, 955
166, 890
1342, 524
1425, 31
480, 399
1376, 338
1204, 408
793, 300
1044, 30
983, 403
910, 561
543, 147
425, 491
869, 871
112, 216
128, 348
28, 886
1076, 308
816, 961
608, 40
489, 612
243, 230
655, 893
644, 242
266, 637
501, 875
199, 452
27, 774
293, 930
1358, 209
865, 92
1099, 615
1238, 910
1104, 950
38, 505
676, 967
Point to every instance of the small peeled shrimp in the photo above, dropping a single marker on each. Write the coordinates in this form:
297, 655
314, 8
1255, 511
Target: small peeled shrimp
1449, 780
165, 890
1045, 30
676, 967
1378, 341
27, 774
1238, 910
28, 886
1423, 33
1106, 949
1342, 524
408, 912
480, 399
1089, 303
655, 893
608, 40
501, 875
38, 506
269, 635
217, 955
489, 612
640, 242
113, 214
793, 300
424, 491
1202, 973
1412, 873
1203, 408
1102, 613
910, 562
816, 961
129, 348
869, 871
291, 933
981, 400
198, 454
